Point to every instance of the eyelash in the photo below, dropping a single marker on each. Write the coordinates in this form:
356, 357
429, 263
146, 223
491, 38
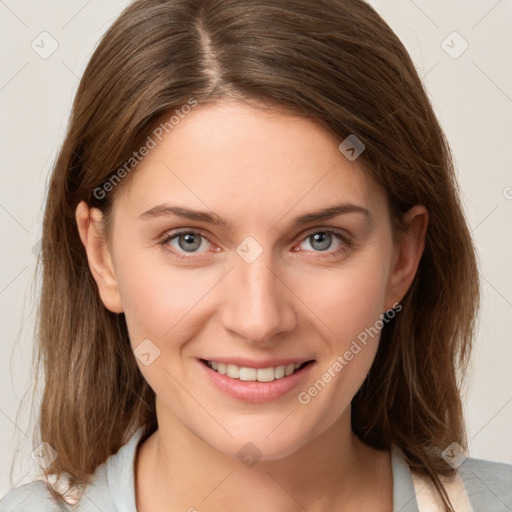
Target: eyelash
346, 242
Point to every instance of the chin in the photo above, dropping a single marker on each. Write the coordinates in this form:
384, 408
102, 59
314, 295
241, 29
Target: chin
261, 442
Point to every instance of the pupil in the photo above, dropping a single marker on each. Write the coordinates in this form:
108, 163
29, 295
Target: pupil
323, 241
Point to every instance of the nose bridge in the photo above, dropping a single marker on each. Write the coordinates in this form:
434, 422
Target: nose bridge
257, 305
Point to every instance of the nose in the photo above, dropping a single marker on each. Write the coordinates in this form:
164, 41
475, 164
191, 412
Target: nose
258, 305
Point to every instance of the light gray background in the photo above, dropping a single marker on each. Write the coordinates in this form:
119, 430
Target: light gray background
471, 94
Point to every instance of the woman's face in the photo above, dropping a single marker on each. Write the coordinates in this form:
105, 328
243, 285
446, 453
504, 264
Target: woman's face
248, 243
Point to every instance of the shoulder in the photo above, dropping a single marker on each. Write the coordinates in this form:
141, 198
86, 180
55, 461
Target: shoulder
488, 484
37, 496
111, 488
30, 497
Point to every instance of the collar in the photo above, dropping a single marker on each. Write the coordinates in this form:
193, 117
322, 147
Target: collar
120, 481
404, 494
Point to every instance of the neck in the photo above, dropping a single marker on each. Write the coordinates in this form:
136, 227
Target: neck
178, 471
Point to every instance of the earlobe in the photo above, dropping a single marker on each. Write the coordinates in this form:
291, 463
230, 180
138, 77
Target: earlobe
410, 247
98, 255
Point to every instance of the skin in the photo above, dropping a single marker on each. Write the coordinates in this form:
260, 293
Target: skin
258, 171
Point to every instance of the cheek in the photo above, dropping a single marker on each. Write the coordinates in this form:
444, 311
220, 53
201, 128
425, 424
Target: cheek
165, 308
349, 302
157, 297
346, 300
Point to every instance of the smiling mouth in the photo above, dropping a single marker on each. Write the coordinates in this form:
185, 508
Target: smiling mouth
247, 374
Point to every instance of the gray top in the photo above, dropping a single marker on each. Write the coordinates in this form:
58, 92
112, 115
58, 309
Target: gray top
488, 486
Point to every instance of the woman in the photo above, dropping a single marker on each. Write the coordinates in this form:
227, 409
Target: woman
259, 289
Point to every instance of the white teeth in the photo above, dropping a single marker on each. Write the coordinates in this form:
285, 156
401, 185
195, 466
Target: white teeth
280, 371
254, 374
247, 373
266, 374
233, 371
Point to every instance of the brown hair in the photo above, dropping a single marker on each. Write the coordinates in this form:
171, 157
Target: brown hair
335, 62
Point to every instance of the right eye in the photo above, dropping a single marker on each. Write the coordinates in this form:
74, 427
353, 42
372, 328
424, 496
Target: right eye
184, 242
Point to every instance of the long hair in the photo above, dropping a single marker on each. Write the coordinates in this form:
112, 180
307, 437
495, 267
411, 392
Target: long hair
335, 62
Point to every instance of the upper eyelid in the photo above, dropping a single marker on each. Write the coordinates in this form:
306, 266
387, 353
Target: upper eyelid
168, 235
336, 231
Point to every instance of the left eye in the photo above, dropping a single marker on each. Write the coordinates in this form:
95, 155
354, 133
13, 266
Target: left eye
323, 240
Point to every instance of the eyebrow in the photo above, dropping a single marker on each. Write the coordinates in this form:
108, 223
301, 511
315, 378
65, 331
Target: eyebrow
165, 210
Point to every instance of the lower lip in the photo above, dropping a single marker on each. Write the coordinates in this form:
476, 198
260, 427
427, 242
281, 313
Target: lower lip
256, 392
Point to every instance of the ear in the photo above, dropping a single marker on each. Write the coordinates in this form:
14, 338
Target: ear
408, 252
89, 222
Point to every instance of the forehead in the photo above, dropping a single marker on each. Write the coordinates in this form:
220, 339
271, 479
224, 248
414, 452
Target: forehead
231, 157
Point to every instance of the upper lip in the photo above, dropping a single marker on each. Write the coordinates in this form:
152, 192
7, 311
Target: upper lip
251, 363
